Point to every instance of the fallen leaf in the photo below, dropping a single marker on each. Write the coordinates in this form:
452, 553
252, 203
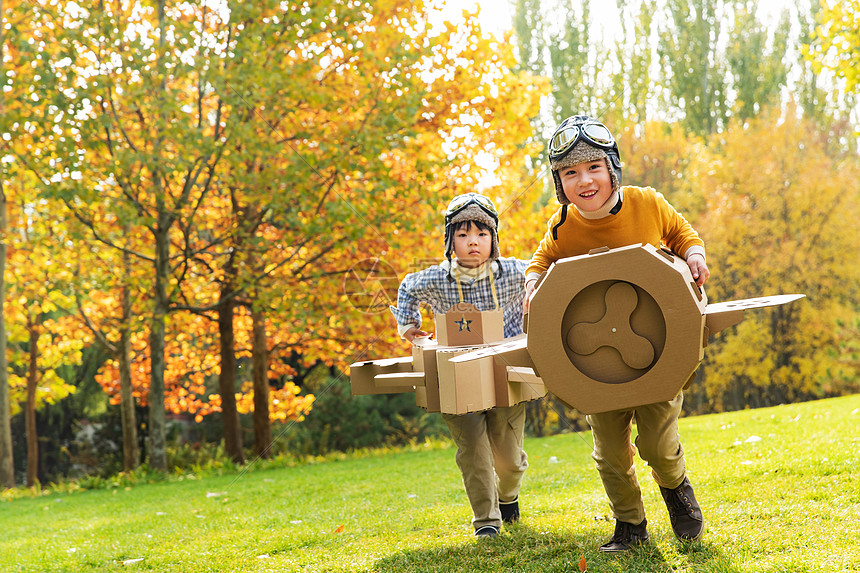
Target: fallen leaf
339, 529
132, 561
582, 565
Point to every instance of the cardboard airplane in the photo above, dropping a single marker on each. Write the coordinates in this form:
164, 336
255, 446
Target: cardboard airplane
618, 328
440, 387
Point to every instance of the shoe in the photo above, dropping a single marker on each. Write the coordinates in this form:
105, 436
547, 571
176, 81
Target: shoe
684, 511
510, 510
487, 531
626, 536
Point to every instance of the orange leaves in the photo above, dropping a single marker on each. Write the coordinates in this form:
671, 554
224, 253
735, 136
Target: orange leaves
284, 403
583, 567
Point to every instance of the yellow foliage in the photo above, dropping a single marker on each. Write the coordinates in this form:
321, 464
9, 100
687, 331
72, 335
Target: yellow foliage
836, 41
782, 205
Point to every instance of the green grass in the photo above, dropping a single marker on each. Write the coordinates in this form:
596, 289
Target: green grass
787, 502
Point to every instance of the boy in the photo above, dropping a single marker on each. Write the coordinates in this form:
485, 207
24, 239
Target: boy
490, 443
586, 170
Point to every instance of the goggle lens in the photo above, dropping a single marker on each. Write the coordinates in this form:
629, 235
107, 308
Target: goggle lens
566, 137
598, 134
563, 137
459, 203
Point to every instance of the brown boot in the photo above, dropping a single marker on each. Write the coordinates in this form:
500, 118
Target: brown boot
626, 536
684, 511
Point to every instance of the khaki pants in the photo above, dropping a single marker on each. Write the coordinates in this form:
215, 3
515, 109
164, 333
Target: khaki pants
491, 458
658, 443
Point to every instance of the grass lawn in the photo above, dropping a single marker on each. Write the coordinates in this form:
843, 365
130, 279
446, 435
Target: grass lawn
779, 487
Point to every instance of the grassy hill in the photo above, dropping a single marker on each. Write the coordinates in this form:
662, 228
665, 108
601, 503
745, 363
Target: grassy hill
779, 487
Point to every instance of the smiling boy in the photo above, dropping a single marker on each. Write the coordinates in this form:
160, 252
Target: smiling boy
596, 211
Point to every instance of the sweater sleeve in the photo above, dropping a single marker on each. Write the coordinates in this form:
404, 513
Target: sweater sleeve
678, 234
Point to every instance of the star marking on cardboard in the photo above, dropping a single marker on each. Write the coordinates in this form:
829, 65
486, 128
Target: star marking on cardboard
464, 324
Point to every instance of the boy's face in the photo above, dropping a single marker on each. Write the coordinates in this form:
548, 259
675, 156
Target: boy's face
586, 185
472, 245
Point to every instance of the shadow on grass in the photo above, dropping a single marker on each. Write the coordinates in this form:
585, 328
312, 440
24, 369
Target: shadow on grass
523, 549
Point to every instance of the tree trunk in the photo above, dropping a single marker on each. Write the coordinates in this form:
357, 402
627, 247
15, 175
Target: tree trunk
30, 407
227, 377
130, 453
157, 424
7, 468
260, 357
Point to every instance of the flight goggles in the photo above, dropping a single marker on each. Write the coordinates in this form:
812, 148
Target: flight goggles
460, 202
566, 136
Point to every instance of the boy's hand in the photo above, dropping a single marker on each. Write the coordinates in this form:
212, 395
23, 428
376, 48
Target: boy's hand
530, 288
699, 268
414, 333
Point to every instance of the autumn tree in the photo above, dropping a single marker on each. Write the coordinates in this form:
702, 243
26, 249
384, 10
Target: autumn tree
811, 92
109, 144
634, 87
662, 155
354, 186
290, 181
757, 67
835, 44
7, 468
42, 335
695, 72
781, 223
530, 31
110, 318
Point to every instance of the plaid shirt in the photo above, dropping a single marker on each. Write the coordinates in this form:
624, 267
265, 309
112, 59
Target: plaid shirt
433, 286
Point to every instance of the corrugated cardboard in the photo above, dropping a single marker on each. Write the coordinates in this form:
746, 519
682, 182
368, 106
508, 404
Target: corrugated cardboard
362, 375
524, 385
611, 329
424, 360
465, 325
512, 352
399, 380
468, 386
619, 328
457, 388
722, 315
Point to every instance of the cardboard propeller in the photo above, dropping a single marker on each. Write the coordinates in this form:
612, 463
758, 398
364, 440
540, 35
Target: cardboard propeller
619, 328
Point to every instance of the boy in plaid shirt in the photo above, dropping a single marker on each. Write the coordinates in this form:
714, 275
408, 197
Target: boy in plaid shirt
490, 443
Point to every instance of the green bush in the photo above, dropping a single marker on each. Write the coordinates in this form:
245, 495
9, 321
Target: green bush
340, 421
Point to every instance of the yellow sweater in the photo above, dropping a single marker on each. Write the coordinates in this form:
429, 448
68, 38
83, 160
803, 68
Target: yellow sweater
645, 217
